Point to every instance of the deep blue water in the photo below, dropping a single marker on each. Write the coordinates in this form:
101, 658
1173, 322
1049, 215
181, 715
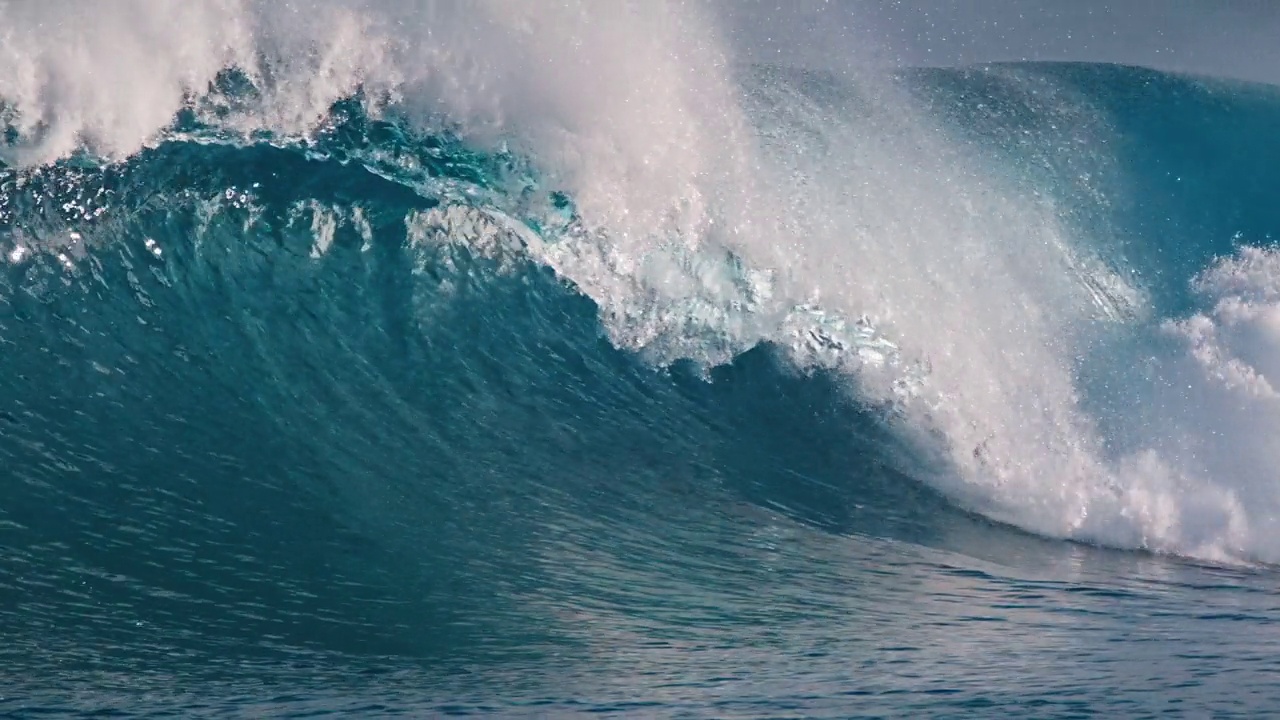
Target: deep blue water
254, 466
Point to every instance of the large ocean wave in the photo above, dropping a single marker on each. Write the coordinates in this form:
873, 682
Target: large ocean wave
477, 285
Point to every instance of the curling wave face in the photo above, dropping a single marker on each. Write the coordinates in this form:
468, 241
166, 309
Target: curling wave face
970, 257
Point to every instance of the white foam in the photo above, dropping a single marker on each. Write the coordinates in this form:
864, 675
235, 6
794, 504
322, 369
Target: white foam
324, 223
1221, 412
108, 76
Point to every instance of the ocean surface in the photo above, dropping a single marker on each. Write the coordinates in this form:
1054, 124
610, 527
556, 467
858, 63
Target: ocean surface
347, 372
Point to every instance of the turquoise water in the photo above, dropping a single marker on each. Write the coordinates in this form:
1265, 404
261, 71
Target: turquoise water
358, 422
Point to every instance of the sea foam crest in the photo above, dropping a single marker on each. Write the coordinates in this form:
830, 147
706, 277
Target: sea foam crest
1224, 415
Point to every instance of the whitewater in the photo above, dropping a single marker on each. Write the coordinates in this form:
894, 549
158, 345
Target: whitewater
558, 358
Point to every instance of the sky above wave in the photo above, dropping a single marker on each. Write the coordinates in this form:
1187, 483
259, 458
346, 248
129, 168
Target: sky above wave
1227, 38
